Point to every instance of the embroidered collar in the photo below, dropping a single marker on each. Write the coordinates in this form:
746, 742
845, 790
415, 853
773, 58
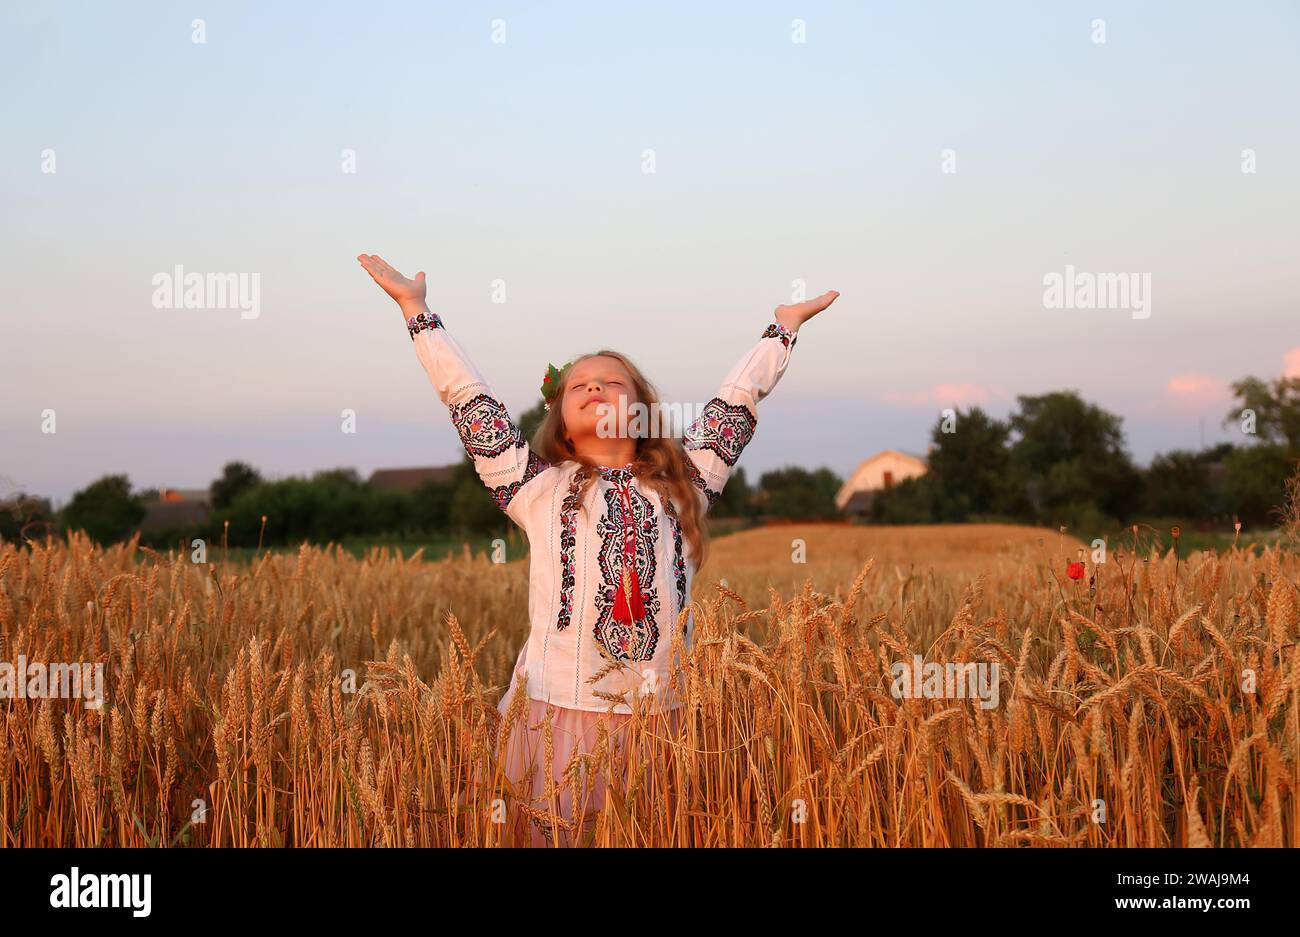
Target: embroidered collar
620, 475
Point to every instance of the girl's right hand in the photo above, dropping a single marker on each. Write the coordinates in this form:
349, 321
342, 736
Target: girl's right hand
409, 294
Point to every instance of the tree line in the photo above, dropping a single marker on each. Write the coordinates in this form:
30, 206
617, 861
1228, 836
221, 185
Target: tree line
337, 504
1056, 459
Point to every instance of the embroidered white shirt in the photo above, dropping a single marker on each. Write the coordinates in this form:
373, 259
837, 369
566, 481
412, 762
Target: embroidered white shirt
576, 549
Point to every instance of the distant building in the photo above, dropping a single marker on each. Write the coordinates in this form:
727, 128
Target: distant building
880, 472
176, 507
184, 494
408, 479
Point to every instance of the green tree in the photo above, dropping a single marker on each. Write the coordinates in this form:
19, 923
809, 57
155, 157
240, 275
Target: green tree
472, 509
737, 498
799, 494
343, 475
106, 509
1181, 484
23, 514
329, 506
531, 420
429, 507
971, 466
911, 501
235, 478
1073, 458
1255, 482
1276, 407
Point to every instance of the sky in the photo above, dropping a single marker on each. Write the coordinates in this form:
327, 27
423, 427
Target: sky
653, 178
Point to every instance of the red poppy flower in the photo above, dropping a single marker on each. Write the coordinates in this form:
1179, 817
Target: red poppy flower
1074, 570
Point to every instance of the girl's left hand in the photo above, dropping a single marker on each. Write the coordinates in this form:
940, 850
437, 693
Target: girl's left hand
797, 314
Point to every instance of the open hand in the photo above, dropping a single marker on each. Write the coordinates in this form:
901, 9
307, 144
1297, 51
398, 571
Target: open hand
409, 294
797, 314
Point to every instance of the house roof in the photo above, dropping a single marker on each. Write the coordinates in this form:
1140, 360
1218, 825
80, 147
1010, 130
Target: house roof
851, 484
408, 479
184, 494
898, 452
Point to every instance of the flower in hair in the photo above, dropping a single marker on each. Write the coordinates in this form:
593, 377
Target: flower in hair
552, 381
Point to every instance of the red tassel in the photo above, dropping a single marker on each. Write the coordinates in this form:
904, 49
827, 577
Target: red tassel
628, 607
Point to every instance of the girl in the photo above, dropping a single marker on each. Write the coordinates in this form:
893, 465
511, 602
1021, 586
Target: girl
614, 521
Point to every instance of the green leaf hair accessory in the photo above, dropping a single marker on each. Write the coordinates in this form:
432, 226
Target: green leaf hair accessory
552, 381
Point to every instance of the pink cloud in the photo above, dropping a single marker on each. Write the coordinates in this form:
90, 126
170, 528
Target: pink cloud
1197, 390
961, 394
946, 395
1291, 367
1194, 385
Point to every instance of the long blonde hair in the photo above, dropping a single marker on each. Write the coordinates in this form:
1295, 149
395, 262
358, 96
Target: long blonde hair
660, 462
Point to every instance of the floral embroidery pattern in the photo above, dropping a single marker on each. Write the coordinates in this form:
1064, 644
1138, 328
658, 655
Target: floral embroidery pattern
618, 641
698, 480
776, 330
679, 559
485, 427
568, 541
619, 476
418, 323
504, 494
722, 428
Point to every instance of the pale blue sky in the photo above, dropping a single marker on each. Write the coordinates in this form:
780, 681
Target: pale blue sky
522, 161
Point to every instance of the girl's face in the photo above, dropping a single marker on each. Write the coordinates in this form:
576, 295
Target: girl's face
592, 387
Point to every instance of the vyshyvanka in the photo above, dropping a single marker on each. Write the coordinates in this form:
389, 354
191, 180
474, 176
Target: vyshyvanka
608, 574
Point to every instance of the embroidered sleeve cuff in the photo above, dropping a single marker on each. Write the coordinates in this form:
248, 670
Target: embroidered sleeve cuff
723, 428
418, 323
779, 331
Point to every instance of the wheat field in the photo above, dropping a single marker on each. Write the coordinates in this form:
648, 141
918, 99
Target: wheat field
1156, 706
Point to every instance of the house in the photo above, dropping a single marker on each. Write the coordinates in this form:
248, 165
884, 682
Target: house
176, 507
877, 473
408, 479
184, 494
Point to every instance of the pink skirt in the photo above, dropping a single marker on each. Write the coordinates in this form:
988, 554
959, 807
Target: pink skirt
526, 767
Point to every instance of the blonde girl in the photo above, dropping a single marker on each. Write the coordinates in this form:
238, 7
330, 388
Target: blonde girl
615, 525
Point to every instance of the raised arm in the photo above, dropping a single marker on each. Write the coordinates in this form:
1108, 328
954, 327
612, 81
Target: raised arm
715, 440
501, 455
